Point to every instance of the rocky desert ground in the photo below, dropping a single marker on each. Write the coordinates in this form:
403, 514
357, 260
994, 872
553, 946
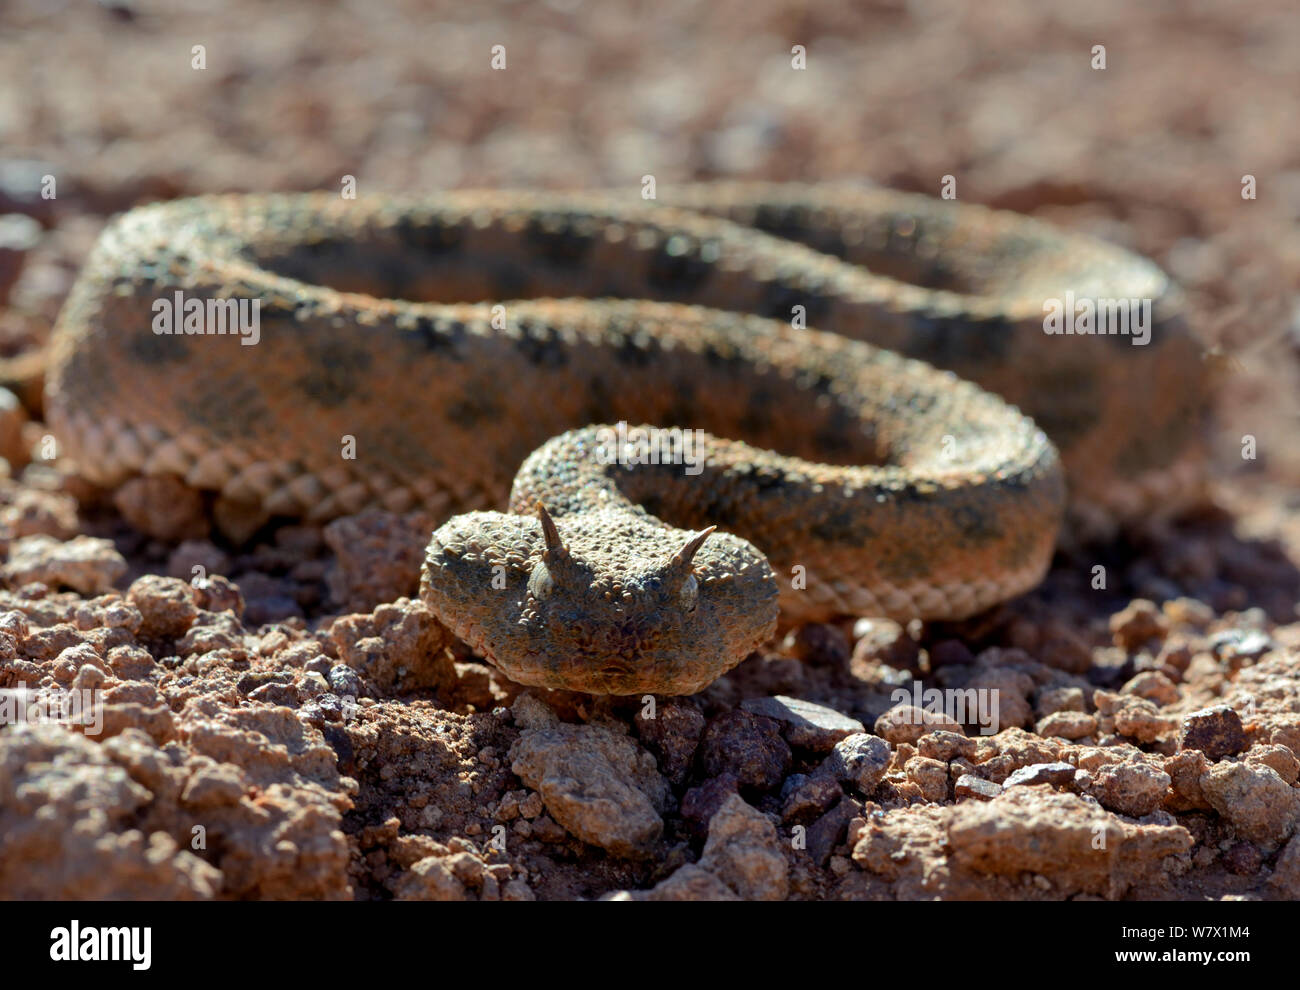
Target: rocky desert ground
282, 718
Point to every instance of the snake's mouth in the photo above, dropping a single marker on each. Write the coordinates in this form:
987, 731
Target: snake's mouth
661, 669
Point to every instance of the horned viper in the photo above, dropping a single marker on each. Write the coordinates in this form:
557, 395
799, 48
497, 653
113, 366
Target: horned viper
774, 335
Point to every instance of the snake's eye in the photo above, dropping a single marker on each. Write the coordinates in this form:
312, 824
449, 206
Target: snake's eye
689, 596
540, 582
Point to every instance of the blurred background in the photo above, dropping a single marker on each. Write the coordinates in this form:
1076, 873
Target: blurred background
1149, 152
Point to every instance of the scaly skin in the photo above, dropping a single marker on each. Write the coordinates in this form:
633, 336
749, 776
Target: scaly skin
898, 490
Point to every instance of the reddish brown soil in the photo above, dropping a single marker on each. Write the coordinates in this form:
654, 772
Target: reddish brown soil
254, 745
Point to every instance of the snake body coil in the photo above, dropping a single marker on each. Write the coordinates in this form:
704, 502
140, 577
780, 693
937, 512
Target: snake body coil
451, 339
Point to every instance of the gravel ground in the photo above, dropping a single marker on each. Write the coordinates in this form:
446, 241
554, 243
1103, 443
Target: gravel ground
282, 720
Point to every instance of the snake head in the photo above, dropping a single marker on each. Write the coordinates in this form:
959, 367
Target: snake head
600, 602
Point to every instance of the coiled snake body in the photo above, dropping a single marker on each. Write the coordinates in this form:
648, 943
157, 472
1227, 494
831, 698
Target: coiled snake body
445, 341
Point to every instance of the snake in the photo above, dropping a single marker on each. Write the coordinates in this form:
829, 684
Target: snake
659, 430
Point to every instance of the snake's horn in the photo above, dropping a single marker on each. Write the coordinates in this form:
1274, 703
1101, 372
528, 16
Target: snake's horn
682, 559
549, 532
